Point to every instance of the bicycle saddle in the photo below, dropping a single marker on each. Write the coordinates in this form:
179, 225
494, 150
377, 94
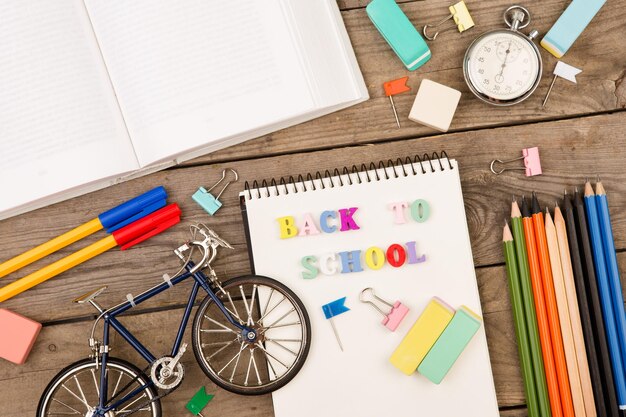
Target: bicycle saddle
85, 298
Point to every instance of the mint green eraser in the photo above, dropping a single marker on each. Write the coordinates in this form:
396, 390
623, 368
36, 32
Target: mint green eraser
450, 345
399, 33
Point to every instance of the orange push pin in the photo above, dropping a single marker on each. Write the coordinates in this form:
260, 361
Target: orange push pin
394, 87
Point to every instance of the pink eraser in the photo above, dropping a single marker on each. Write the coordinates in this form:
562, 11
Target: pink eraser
532, 162
395, 316
17, 336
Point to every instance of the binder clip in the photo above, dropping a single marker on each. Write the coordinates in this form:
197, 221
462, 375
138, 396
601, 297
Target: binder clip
532, 163
206, 200
392, 318
394, 87
461, 17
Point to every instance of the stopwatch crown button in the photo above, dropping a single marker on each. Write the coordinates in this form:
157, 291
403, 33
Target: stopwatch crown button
532, 35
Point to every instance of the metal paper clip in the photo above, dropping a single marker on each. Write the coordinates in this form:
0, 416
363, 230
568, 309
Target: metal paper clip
461, 17
206, 200
393, 317
532, 163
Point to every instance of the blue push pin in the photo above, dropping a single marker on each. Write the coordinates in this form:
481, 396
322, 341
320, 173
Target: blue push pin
207, 201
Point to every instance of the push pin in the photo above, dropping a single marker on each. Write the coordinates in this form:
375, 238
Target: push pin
198, 402
532, 163
461, 17
393, 317
562, 70
206, 200
394, 87
332, 309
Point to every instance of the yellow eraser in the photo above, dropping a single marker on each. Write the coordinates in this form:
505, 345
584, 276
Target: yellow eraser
422, 336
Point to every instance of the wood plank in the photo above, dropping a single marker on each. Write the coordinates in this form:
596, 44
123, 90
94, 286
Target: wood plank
570, 150
600, 86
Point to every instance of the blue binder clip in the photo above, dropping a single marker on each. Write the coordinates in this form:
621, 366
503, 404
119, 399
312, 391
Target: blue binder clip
206, 200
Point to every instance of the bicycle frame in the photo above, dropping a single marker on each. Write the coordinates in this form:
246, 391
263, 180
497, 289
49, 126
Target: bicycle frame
110, 320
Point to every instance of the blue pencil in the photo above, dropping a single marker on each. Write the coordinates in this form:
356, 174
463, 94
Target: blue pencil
608, 312
611, 264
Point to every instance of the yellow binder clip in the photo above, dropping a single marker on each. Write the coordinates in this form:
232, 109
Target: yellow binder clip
461, 17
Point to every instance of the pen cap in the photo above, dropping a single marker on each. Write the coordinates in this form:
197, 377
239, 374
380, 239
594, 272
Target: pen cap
134, 209
149, 226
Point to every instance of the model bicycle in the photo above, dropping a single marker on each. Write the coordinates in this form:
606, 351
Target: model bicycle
250, 336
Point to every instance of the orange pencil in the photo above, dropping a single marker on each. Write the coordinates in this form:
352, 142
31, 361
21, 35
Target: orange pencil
551, 306
542, 314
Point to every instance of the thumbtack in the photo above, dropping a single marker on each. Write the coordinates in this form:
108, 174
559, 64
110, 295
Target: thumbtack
206, 200
393, 317
562, 70
532, 163
461, 17
394, 87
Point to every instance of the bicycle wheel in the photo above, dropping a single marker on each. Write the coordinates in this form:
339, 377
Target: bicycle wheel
75, 390
283, 336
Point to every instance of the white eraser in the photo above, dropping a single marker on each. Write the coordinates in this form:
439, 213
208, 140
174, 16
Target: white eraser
434, 105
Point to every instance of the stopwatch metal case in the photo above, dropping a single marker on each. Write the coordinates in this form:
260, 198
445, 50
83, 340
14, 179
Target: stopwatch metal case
518, 15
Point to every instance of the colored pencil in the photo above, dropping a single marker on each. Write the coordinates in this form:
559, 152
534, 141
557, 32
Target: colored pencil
549, 374
594, 308
552, 309
615, 284
564, 317
519, 319
604, 287
589, 367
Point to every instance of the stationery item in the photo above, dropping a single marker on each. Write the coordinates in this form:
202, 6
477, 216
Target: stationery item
422, 336
404, 228
435, 105
572, 304
450, 345
532, 163
611, 323
582, 307
18, 336
399, 33
137, 99
394, 87
570, 25
198, 402
461, 16
125, 238
206, 200
110, 220
499, 74
546, 380
333, 309
393, 317
571, 360
520, 322
562, 70
552, 309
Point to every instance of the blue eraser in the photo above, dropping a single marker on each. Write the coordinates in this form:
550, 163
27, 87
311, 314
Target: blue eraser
206, 200
399, 33
570, 25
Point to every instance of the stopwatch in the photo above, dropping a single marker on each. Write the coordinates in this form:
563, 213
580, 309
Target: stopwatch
503, 66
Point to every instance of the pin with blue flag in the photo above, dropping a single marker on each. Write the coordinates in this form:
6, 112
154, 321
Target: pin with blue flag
332, 309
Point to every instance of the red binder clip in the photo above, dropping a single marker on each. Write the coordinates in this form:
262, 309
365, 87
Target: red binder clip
393, 318
532, 163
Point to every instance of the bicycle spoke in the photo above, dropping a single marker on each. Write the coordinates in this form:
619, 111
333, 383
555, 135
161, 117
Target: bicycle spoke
256, 370
295, 323
251, 321
117, 385
272, 368
232, 375
283, 346
285, 340
131, 404
221, 349
249, 366
245, 303
80, 389
243, 346
267, 304
236, 314
75, 396
272, 309
219, 324
217, 343
282, 317
93, 374
269, 355
71, 408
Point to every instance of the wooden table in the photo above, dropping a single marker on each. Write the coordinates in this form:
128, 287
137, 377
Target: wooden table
580, 133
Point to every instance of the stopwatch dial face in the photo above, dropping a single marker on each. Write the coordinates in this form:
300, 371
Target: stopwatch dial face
503, 65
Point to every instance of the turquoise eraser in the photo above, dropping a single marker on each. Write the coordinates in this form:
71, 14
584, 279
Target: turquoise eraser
399, 33
570, 25
450, 345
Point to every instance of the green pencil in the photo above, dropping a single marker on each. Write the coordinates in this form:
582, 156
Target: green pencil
521, 330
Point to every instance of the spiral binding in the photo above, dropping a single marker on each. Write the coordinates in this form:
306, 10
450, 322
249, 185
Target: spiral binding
303, 184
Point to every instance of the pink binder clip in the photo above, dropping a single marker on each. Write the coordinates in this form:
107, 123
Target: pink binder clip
391, 319
532, 163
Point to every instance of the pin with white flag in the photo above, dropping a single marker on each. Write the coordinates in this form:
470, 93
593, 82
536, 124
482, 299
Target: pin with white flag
562, 70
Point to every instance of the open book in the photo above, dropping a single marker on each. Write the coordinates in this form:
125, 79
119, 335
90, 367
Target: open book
95, 92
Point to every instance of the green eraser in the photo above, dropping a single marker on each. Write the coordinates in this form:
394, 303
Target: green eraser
399, 33
450, 345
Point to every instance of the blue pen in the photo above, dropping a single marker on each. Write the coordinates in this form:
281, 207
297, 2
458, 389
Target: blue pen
110, 220
608, 312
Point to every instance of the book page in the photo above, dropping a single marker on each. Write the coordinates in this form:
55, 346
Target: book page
188, 74
60, 126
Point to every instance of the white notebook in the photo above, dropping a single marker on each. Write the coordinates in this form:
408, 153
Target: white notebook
95, 92
360, 381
